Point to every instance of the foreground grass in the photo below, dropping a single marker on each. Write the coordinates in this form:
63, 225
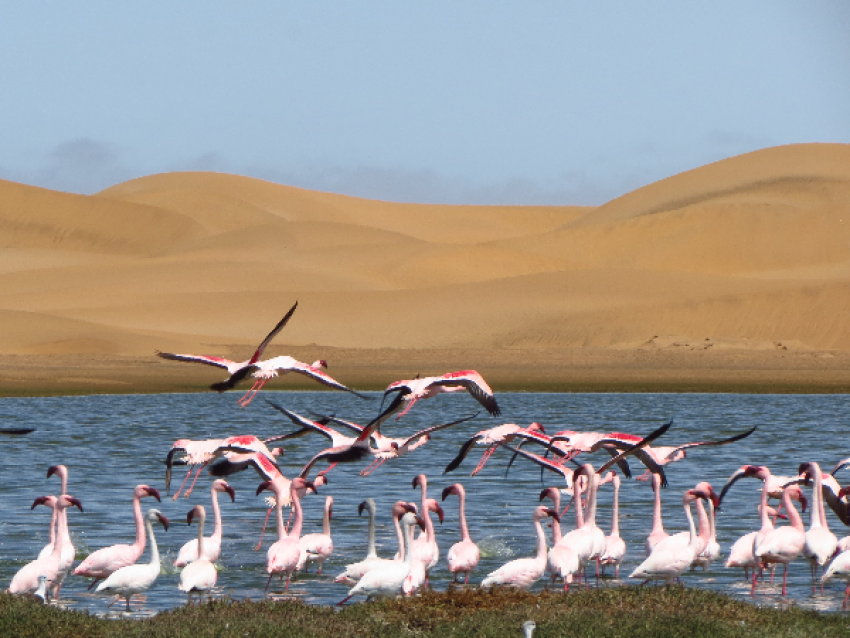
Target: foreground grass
631, 612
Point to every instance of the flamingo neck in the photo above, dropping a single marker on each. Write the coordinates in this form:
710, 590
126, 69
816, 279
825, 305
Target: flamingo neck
61, 531
278, 512
407, 547
694, 539
793, 515
577, 492
464, 530
201, 536
140, 524
556, 525
326, 518
295, 530
541, 541
371, 552
615, 509
590, 521
816, 518
216, 515
657, 521
702, 520
154, 549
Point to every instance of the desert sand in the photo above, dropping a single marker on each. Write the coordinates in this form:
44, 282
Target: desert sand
735, 275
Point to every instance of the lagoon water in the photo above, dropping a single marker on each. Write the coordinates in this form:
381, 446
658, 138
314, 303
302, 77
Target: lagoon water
113, 443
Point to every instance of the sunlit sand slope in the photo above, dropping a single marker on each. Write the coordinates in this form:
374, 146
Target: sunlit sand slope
751, 252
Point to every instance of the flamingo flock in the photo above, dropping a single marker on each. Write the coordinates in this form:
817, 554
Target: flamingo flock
575, 555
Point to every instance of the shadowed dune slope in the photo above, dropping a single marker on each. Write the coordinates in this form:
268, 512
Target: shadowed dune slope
752, 251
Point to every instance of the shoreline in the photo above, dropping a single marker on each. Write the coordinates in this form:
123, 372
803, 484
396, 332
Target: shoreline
505, 369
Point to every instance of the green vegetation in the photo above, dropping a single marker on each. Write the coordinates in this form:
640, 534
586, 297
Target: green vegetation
631, 612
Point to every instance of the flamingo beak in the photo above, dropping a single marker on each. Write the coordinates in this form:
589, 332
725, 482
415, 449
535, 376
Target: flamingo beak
76, 502
553, 514
190, 516
53, 469
41, 500
447, 491
231, 492
360, 508
409, 507
152, 491
266, 485
163, 520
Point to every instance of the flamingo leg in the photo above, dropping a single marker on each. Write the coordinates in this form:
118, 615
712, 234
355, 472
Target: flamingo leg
484, 458
785, 579
374, 466
94, 582
245, 396
192, 486
410, 404
846, 596
263, 532
645, 476
269, 581
177, 493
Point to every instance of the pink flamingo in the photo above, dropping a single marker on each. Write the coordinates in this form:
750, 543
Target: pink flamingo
657, 533
741, 554
238, 370
492, 438
134, 579
355, 571
409, 391
783, 544
200, 575
670, 560
68, 552
212, 544
284, 554
317, 548
820, 543
561, 560
426, 547
615, 546
388, 579
26, 580
840, 565
463, 556
103, 562
524, 572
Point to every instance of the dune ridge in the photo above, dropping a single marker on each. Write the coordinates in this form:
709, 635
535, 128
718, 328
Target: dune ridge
742, 255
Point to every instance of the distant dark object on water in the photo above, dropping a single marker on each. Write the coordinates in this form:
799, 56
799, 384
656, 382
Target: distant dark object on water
16, 430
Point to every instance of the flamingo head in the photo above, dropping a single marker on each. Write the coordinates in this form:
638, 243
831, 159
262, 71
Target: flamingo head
400, 508
808, 470
368, 504
536, 427
67, 501
265, 485
142, 491
678, 456
420, 480
321, 479
756, 471
551, 493
59, 470
541, 512
276, 451
455, 488
711, 495
319, 363
585, 470
223, 486
299, 483
49, 501
156, 514
434, 506
608, 477
196, 512
796, 494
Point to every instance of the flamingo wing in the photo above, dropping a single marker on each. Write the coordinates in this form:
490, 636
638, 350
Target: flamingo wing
259, 351
230, 382
464, 450
637, 450
475, 385
319, 375
731, 439
219, 362
434, 428
305, 423
351, 425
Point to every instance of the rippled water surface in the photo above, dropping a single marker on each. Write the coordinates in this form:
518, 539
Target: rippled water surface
112, 443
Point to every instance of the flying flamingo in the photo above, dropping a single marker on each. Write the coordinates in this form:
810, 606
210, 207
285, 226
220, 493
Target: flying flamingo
670, 560
103, 562
409, 391
134, 579
615, 546
26, 580
492, 438
783, 544
283, 556
238, 369
388, 579
316, 548
212, 544
200, 575
463, 556
355, 571
524, 572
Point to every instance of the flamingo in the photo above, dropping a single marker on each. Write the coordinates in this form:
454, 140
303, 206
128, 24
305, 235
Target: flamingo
561, 560
409, 391
283, 556
704, 533
524, 572
103, 562
774, 484
200, 575
783, 544
587, 540
615, 546
355, 571
669, 560
316, 548
657, 533
426, 548
388, 579
463, 556
741, 554
238, 370
134, 579
26, 580
711, 552
492, 438
840, 565
212, 544
671, 454
68, 552
820, 543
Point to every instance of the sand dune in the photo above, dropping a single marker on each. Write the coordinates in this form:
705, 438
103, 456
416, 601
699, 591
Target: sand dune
750, 253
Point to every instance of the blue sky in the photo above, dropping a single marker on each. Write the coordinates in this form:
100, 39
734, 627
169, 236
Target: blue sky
457, 102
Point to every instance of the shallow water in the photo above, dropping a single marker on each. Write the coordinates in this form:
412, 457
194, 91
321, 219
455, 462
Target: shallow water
112, 443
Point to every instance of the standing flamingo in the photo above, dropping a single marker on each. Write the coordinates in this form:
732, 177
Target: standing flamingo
68, 552
670, 560
561, 560
103, 562
388, 579
463, 556
409, 391
820, 543
840, 565
283, 556
426, 548
615, 546
741, 554
317, 548
26, 580
784, 544
524, 572
134, 579
212, 544
200, 575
